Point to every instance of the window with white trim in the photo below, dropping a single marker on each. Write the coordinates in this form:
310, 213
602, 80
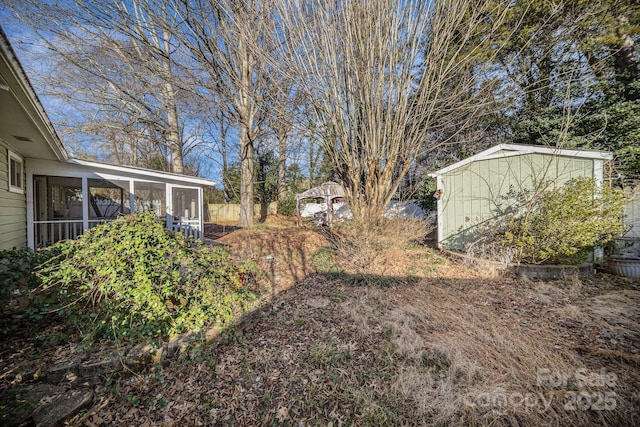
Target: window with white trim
16, 173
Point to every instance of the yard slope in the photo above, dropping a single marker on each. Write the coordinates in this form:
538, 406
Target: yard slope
348, 350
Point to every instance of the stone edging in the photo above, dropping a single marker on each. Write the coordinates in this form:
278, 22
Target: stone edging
68, 383
531, 271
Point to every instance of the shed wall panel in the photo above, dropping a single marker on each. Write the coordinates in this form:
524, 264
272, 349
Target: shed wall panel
632, 213
484, 190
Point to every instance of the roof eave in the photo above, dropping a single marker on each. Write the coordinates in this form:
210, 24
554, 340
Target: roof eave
50, 135
144, 172
525, 149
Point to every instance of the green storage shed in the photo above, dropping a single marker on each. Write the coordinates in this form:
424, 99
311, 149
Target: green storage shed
483, 187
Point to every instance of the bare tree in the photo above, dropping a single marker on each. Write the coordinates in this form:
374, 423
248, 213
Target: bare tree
382, 77
118, 59
284, 104
224, 37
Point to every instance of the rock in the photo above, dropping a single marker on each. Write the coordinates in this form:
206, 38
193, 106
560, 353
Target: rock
18, 403
60, 371
178, 344
139, 356
107, 364
212, 334
63, 407
157, 355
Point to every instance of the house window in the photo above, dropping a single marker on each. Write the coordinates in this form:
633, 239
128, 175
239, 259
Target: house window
16, 173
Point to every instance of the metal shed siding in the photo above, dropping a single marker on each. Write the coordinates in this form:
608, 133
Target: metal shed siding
632, 213
485, 189
13, 209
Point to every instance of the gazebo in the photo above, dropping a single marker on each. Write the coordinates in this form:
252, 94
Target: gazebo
327, 191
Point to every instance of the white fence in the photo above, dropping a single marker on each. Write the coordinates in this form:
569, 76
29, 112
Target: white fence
47, 233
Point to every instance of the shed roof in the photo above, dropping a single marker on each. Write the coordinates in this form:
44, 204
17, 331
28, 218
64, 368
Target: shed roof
508, 150
331, 189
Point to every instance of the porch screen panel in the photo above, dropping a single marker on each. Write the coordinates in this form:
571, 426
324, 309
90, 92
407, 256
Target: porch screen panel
108, 199
185, 204
151, 196
65, 198
58, 209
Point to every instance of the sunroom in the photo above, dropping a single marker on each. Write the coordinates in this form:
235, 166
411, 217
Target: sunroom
66, 198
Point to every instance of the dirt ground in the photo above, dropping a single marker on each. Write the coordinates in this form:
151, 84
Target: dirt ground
283, 254
332, 351
426, 342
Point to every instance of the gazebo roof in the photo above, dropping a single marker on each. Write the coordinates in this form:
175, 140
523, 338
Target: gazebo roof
330, 189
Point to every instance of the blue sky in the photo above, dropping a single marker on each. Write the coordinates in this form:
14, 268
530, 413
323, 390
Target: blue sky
25, 43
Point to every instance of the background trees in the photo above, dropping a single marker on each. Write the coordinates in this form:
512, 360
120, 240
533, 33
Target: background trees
224, 38
569, 76
113, 64
385, 80
375, 93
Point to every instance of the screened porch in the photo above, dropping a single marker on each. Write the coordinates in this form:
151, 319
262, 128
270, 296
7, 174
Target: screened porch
64, 206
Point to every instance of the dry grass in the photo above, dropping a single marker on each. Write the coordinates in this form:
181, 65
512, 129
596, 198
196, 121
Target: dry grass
429, 343
487, 367
376, 249
283, 253
453, 351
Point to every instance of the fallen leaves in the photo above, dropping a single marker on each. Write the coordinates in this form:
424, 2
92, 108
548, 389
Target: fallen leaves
334, 351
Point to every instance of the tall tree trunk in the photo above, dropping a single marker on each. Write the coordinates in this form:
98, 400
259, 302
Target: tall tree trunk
282, 167
225, 166
312, 166
246, 179
246, 114
173, 137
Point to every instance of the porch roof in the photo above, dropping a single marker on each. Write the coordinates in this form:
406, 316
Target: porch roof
136, 172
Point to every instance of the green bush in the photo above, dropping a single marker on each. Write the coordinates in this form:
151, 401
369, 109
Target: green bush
133, 277
425, 194
562, 226
18, 279
16, 269
287, 206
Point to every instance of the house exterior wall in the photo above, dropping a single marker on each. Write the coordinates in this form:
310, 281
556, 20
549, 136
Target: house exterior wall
13, 207
483, 190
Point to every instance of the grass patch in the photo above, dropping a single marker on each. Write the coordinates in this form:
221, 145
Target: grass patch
323, 260
366, 250
448, 351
